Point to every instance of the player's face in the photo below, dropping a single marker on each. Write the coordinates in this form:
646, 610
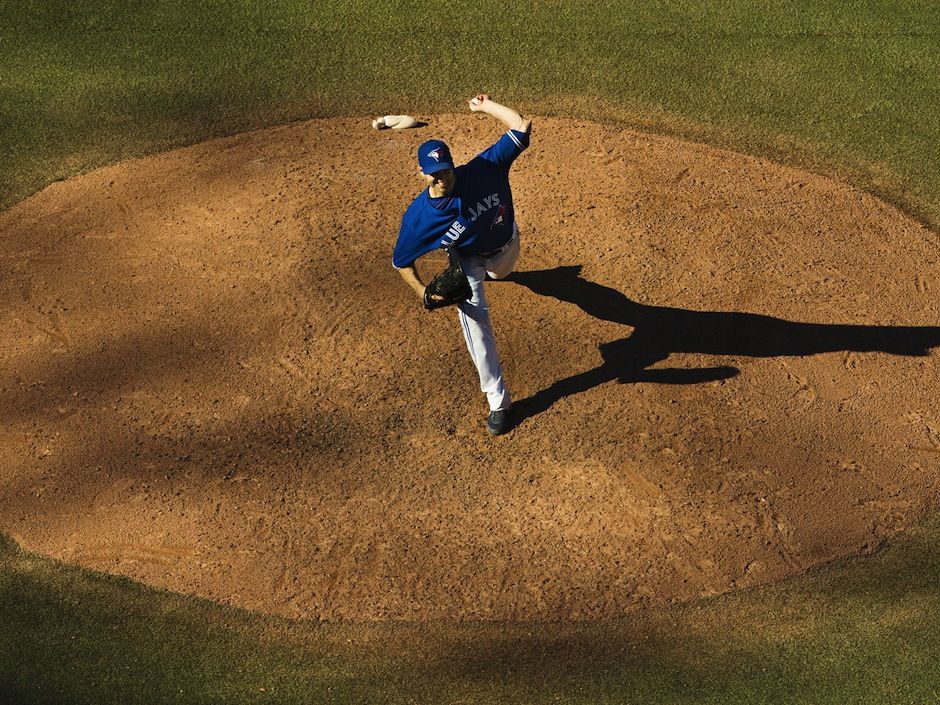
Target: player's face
441, 182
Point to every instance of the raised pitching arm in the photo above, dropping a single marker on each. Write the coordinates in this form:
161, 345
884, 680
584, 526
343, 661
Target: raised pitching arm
482, 103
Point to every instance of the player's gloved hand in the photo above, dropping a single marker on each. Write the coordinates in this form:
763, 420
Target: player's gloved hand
430, 297
447, 288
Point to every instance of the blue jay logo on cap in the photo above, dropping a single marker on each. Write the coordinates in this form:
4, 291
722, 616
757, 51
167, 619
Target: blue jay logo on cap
434, 156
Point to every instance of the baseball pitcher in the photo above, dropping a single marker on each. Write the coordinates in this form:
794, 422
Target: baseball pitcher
467, 210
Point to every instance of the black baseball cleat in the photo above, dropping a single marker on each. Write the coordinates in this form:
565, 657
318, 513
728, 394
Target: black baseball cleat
497, 423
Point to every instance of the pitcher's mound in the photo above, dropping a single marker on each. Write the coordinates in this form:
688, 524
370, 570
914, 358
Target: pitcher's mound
214, 381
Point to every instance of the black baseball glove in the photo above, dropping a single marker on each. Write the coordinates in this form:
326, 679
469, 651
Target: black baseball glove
451, 285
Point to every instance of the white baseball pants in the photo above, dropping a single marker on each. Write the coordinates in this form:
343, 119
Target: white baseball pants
474, 316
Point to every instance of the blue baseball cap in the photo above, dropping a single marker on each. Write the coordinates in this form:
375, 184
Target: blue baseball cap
434, 156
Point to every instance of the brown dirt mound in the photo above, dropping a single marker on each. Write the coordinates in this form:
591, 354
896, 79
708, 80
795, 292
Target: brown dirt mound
215, 382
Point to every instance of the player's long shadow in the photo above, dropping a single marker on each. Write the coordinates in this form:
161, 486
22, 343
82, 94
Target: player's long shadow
660, 331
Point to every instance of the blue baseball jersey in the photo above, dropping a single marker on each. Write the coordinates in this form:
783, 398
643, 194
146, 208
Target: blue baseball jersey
475, 218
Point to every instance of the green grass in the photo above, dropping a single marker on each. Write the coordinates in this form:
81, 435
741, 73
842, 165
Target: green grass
859, 631
850, 89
